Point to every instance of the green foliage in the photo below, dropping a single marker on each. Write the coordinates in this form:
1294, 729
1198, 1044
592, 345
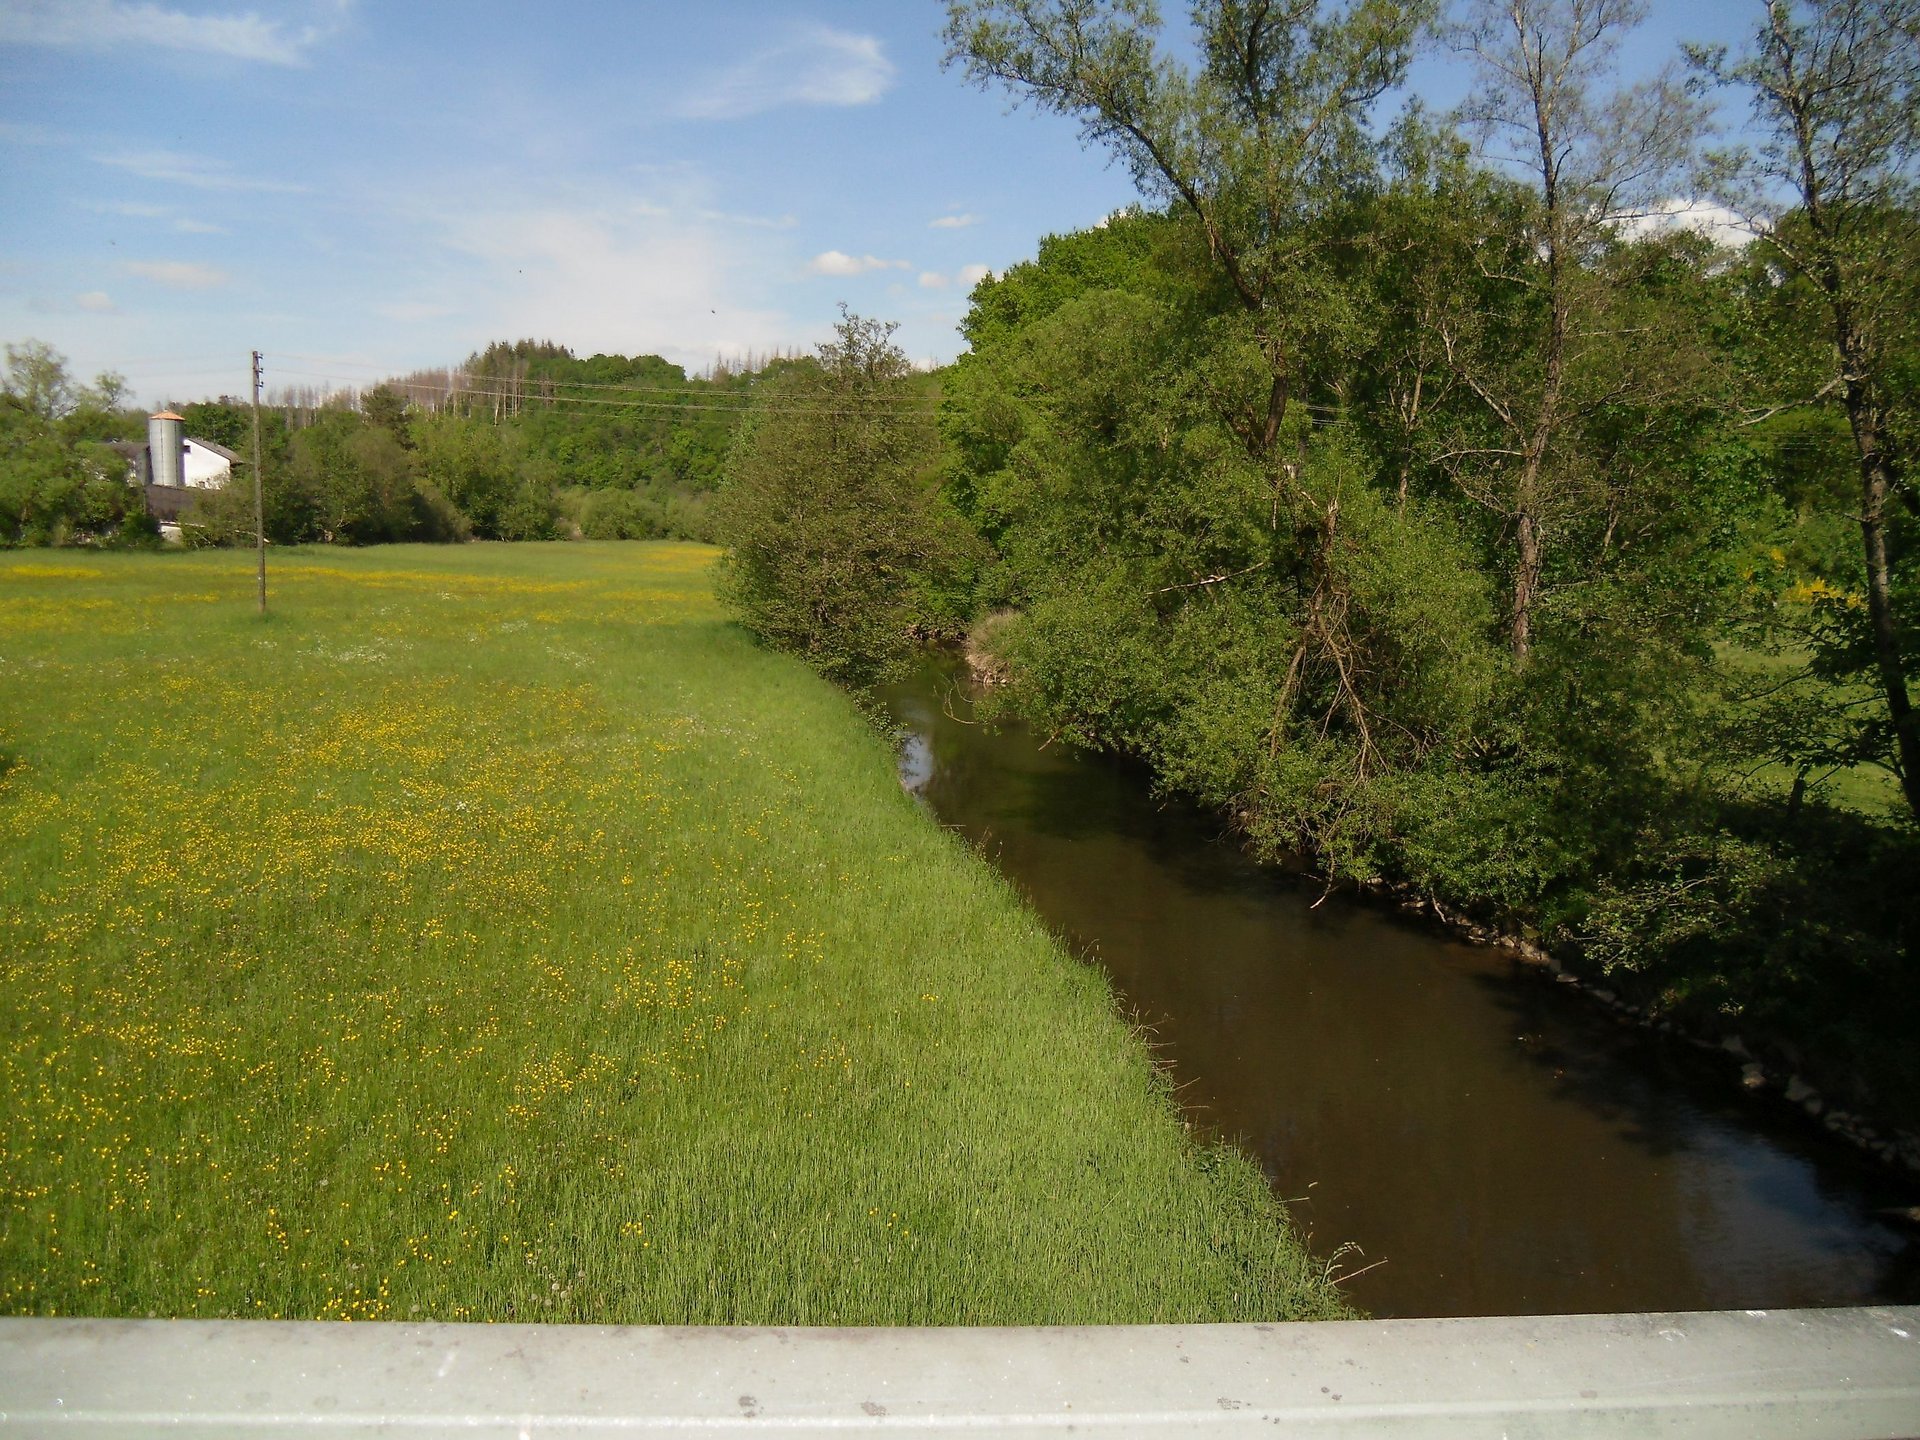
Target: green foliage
59, 481
609, 422
1835, 90
229, 423
37, 380
838, 544
1309, 620
1801, 926
1112, 256
534, 444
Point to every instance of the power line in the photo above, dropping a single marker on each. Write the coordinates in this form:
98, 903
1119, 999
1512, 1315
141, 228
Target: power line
528, 399
418, 379
541, 402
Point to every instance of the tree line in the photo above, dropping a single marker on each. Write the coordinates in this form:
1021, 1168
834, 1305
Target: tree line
1416, 491
523, 441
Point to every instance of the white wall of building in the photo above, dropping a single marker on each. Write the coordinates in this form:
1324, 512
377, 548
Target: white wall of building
202, 467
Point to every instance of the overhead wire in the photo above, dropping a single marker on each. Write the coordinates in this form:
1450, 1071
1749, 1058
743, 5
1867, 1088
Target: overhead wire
450, 373
543, 393
496, 388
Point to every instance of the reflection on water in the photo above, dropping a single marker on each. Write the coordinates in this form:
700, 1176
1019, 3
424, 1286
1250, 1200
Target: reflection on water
1490, 1142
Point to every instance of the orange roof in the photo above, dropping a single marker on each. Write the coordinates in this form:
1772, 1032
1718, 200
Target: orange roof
166, 415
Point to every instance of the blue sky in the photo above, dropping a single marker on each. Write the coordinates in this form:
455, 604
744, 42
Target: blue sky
359, 188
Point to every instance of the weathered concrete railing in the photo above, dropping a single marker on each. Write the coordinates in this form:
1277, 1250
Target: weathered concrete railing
1798, 1373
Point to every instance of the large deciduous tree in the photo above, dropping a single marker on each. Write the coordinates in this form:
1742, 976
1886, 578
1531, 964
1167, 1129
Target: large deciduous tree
1590, 153
37, 380
1265, 136
1836, 98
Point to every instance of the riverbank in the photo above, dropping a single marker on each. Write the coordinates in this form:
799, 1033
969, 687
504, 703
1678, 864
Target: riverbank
495, 933
1841, 1064
1767, 1065
1494, 1142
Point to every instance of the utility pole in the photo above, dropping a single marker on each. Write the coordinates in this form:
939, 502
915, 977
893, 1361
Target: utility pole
259, 508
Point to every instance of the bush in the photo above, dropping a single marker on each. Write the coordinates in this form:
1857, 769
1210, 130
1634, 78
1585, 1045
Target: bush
836, 532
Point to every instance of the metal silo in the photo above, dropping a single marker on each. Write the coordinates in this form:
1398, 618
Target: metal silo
166, 446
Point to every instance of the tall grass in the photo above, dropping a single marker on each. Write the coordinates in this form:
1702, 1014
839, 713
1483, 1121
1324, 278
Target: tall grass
494, 934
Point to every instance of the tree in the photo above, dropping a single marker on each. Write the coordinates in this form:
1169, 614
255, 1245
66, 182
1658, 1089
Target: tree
1257, 144
57, 479
37, 380
109, 392
1591, 155
1836, 94
830, 509
386, 408
1253, 144
472, 463
357, 479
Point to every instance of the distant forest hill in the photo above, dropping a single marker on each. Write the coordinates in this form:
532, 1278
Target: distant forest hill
523, 441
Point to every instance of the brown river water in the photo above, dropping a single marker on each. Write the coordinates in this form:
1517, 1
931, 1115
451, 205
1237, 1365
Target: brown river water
1491, 1143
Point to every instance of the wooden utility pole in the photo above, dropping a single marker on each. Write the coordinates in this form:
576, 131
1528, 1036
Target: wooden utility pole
259, 507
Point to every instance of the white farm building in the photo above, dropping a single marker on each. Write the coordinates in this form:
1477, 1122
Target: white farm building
171, 465
173, 458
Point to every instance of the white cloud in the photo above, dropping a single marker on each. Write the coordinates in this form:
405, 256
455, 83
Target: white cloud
751, 222
1716, 222
966, 277
835, 262
137, 210
105, 24
178, 274
174, 168
610, 275
953, 222
97, 301
816, 66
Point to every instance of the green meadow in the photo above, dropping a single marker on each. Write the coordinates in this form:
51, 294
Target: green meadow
495, 933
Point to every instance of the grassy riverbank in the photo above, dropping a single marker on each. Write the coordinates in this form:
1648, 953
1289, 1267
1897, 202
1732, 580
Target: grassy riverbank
494, 933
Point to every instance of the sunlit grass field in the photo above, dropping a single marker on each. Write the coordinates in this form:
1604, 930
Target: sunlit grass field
494, 933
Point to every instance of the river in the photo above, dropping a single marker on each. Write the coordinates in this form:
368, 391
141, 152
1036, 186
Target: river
1490, 1143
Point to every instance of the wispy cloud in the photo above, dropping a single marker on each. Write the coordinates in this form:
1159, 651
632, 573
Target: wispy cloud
815, 66
835, 262
178, 274
97, 301
14, 133
953, 222
133, 209
171, 167
751, 222
965, 278
108, 24
139, 210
